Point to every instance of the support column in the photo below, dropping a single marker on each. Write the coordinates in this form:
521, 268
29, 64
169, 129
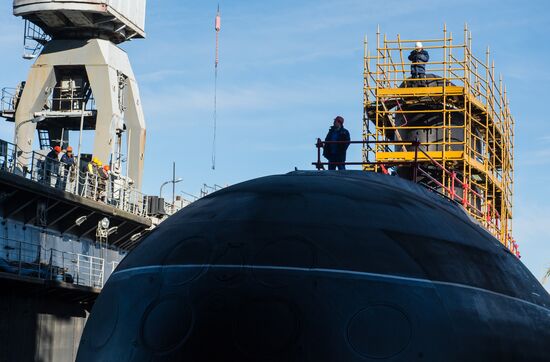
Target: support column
40, 82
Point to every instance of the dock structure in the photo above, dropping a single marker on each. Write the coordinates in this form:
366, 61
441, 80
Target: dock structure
458, 115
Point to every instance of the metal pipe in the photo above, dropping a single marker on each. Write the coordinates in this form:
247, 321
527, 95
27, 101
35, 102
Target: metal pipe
415, 171
319, 145
173, 185
80, 142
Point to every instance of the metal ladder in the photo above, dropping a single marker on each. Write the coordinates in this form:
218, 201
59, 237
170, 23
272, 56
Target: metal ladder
44, 139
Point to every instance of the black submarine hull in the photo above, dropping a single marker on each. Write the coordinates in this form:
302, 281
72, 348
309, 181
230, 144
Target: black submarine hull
308, 266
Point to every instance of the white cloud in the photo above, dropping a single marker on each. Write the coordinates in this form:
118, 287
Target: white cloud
161, 75
190, 101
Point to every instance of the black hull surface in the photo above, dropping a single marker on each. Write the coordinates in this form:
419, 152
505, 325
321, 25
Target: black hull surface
333, 266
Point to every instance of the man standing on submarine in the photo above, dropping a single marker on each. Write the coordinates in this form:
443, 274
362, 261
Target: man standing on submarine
335, 152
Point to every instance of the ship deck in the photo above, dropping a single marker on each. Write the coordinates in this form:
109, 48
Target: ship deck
25, 200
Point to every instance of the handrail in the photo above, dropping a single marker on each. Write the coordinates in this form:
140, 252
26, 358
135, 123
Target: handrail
488, 218
33, 260
114, 190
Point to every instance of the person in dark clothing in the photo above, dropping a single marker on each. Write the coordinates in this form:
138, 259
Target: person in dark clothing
68, 157
104, 174
336, 152
52, 166
68, 163
419, 56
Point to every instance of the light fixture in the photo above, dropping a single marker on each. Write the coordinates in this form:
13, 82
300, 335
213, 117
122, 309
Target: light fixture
80, 220
175, 181
135, 237
38, 119
104, 223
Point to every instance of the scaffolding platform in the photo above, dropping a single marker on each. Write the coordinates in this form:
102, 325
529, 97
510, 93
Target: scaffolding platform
460, 114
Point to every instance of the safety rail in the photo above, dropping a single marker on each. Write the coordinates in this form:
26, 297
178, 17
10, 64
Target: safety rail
64, 99
71, 98
452, 68
108, 188
453, 60
33, 260
456, 190
8, 101
34, 40
459, 111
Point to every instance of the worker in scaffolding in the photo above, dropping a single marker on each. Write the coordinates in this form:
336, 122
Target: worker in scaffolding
336, 145
419, 57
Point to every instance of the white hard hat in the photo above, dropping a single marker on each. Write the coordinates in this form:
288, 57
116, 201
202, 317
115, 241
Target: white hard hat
419, 45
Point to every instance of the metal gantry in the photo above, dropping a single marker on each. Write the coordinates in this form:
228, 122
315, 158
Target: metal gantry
461, 116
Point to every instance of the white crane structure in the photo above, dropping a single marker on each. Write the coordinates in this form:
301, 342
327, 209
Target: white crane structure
82, 81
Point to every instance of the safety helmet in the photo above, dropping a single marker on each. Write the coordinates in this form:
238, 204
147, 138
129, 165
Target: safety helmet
418, 45
95, 160
57, 149
106, 168
99, 163
69, 149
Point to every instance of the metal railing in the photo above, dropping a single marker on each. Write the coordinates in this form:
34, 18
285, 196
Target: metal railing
9, 99
460, 111
71, 98
34, 40
456, 190
33, 260
90, 271
108, 188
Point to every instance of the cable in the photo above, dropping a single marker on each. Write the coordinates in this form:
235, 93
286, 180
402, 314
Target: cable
215, 117
217, 26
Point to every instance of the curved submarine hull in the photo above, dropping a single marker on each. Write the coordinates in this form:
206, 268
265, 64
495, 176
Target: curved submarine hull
309, 266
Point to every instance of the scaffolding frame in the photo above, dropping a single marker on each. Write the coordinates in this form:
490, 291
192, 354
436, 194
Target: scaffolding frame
459, 86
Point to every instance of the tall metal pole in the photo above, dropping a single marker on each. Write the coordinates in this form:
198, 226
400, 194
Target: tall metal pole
173, 185
79, 146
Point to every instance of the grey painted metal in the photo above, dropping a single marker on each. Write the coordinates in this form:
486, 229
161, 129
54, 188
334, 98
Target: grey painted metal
55, 15
103, 62
42, 329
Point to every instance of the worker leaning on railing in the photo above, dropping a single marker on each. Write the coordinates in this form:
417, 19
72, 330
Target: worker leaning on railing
90, 181
104, 174
52, 167
68, 167
100, 180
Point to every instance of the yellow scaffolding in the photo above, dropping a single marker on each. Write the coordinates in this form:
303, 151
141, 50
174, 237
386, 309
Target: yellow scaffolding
459, 113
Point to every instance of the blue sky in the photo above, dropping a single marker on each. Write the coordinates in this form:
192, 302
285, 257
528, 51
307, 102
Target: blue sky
287, 68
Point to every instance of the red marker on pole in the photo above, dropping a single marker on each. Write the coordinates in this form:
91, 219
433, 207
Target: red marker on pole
218, 27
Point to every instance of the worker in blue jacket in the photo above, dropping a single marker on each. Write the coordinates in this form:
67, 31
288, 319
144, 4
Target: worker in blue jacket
335, 153
418, 57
